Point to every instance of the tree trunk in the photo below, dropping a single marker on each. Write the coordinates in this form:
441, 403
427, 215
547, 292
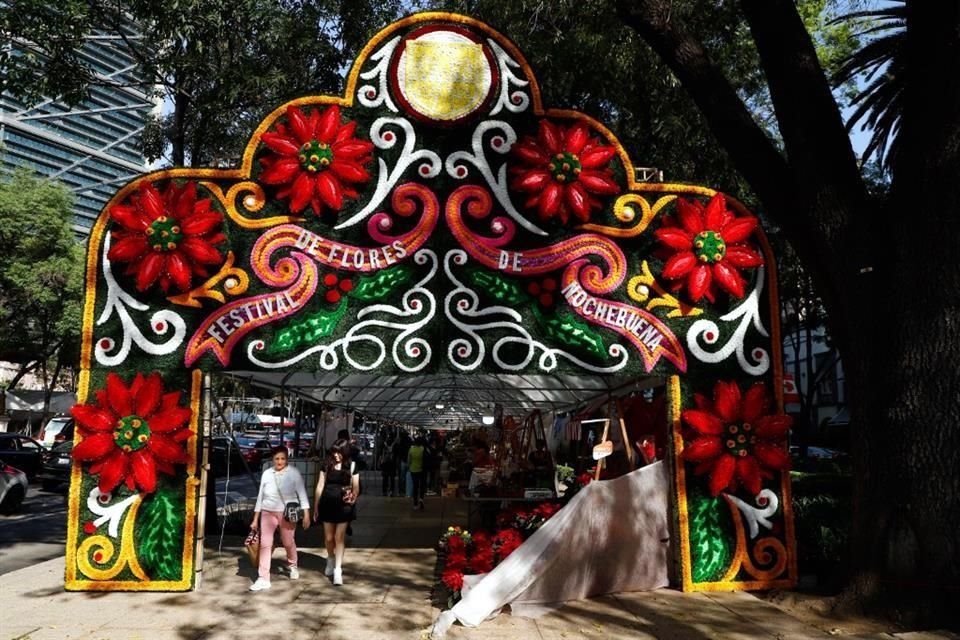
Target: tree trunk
887, 273
906, 405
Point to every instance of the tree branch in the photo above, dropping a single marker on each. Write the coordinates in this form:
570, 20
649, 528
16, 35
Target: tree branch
815, 139
752, 151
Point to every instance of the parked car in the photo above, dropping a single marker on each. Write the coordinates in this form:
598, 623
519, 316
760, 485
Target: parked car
57, 464
224, 451
58, 429
254, 450
13, 488
23, 452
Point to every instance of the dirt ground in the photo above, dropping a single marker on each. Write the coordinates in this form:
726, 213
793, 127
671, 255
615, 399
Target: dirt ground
820, 611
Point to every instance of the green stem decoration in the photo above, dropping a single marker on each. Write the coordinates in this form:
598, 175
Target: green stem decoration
159, 534
711, 536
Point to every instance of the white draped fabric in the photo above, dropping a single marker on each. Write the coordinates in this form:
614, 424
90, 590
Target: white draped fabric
612, 536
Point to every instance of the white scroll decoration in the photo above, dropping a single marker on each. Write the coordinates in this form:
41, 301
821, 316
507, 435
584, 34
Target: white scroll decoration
410, 352
121, 302
462, 310
768, 502
517, 101
99, 503
747, 313
387, 178
456, 165
372, 96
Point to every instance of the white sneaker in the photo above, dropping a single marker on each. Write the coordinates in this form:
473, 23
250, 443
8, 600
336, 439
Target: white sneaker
338, 577
329, 570
294, 573
260, 585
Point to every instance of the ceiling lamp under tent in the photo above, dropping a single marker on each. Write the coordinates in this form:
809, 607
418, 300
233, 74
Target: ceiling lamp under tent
437, 219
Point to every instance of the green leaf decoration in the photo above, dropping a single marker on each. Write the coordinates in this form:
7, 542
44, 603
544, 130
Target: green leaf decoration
712, 538
570, 330
503, 290
160, 534
380, 285
310, 330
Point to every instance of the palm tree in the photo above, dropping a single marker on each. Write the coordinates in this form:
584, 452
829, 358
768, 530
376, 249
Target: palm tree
882, 62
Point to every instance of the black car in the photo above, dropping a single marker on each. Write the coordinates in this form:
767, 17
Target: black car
22, 452
56, 466
225, 451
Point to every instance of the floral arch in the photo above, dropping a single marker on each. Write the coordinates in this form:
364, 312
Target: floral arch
436, 219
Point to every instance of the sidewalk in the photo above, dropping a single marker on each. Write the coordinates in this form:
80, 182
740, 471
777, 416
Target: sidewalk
388, 572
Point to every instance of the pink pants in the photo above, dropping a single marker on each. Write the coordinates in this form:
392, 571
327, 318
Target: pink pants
270, 521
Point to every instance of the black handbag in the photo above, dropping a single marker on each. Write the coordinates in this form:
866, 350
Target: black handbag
291, 510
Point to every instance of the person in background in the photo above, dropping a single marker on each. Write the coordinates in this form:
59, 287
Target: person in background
334, 504
355, 454
388, 469
415, 460
356, 459
481, 455
540, 463
278, 485
400, 448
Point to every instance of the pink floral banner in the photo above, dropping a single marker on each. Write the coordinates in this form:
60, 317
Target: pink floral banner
652, 338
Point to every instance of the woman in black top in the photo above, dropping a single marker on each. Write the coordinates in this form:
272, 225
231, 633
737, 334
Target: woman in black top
334, 504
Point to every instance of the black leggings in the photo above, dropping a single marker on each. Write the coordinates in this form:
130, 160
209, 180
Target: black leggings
418, 486
389, 480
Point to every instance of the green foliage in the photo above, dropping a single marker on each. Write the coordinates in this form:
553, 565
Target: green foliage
222, 66
41, 274
823, 534
883, 65
160, 534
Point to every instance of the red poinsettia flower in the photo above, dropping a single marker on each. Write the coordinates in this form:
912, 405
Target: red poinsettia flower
316, 160
481, 561
452, 580
709, 248
167, 238
547, 510
456, 544
131, 433
482, 540
562, 170
735, 440
456, 561
506, 542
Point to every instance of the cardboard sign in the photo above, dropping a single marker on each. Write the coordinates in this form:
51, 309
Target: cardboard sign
602, 450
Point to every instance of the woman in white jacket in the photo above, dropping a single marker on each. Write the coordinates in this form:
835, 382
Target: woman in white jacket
278, 485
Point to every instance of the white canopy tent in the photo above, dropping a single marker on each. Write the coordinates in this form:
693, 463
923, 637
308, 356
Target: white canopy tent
448, 401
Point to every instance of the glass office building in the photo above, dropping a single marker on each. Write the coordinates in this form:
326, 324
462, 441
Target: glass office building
93, 147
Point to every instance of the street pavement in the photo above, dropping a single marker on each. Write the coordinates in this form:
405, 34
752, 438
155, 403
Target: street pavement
36, 533
389, 573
